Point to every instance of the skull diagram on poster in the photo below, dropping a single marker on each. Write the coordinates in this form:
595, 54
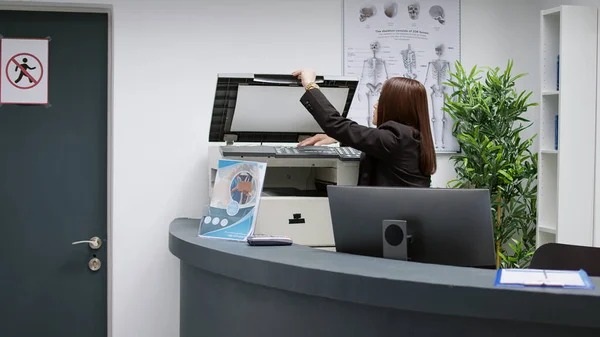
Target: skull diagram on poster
413, 11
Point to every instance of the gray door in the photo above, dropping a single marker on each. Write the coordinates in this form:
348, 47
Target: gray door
53, 184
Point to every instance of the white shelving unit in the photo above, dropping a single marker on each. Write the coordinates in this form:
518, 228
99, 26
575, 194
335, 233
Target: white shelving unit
566, 180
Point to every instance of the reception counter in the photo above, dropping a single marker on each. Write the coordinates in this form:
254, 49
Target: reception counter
232, 289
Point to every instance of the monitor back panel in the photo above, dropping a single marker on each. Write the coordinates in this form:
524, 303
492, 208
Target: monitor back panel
449, 226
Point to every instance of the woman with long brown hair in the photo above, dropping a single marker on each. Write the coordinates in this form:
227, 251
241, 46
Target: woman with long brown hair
399, 151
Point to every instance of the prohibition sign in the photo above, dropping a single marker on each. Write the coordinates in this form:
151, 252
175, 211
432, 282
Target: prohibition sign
23, 70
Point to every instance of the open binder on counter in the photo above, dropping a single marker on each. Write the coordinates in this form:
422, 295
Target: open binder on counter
568, 279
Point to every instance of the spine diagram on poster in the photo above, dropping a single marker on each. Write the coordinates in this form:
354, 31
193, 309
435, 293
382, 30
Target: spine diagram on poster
410, 62
414, 39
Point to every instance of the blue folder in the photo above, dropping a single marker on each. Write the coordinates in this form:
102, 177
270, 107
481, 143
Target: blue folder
587, 283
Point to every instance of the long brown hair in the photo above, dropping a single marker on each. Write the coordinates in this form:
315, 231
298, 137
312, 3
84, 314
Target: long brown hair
404, 100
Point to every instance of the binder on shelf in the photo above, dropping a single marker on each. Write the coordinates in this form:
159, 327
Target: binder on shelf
558, 73
556, 132
567, 279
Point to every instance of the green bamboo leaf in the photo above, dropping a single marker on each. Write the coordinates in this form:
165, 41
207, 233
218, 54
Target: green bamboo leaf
489, 119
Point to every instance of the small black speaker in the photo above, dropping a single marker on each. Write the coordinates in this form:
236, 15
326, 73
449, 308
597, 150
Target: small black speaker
394, 238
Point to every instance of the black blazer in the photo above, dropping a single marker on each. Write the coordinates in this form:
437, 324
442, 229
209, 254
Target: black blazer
390, 153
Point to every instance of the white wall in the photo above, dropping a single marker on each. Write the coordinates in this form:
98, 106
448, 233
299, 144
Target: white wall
546, 4
495, 31
166, 55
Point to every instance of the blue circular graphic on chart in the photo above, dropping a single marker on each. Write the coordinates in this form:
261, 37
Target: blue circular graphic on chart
233, 208
243, 188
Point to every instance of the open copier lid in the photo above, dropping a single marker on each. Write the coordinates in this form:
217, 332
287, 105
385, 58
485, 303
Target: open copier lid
267, 109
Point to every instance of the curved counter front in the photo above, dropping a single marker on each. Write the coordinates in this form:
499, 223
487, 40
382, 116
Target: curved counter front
232, 289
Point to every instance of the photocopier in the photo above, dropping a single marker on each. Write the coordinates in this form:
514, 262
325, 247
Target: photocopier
259, 117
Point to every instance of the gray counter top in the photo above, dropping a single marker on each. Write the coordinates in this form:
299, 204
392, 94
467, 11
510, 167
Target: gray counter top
374, 282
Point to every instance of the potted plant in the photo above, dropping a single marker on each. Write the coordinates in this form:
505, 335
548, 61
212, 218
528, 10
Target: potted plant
488, 116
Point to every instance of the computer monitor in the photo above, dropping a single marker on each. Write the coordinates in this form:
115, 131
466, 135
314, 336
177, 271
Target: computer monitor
431, 225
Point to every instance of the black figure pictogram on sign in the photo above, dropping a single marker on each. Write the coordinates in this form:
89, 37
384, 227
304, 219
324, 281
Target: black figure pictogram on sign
22, 68
19, 71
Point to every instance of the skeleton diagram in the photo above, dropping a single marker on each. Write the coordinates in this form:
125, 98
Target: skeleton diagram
438, 71
410, 62
367, 12
413, 11
437, 13
374, 73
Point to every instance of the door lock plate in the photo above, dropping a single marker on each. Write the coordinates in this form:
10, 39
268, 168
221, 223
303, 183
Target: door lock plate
94, 264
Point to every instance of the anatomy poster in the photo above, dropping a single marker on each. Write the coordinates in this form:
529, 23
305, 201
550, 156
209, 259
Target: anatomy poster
413, 39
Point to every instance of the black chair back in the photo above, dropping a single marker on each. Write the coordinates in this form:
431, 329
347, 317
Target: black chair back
558, 256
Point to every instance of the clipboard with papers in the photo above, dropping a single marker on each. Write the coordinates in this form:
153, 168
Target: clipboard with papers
567, 279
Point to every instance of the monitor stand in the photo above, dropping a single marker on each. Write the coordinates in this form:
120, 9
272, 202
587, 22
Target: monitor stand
396, 239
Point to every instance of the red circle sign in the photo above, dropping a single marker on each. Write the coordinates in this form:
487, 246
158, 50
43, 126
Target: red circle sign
22, 71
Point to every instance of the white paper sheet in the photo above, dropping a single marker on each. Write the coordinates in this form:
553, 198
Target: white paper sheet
541, 277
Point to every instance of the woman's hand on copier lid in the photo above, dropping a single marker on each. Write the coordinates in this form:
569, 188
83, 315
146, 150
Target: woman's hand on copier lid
306, 75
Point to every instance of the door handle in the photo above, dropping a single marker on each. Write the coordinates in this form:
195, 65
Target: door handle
94, 242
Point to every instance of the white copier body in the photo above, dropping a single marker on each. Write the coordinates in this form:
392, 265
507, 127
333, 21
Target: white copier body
260, 118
